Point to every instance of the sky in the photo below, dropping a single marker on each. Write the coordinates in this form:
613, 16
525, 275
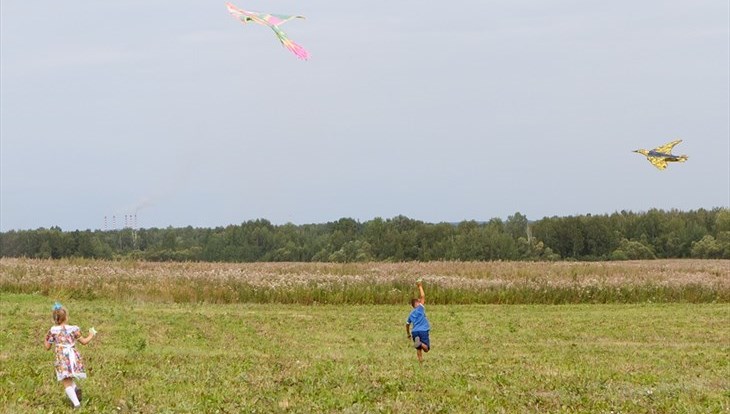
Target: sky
177, 113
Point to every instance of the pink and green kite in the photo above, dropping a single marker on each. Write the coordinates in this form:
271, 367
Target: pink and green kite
273, 21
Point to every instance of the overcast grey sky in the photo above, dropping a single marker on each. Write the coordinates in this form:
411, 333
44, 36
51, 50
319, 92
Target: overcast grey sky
440, 112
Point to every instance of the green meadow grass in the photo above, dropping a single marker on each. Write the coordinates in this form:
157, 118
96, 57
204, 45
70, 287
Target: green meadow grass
205, 358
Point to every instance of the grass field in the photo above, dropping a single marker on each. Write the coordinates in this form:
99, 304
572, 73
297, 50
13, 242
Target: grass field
153, 355
693, 281
151, 358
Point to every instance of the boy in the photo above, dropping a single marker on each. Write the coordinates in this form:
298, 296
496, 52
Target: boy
421, 327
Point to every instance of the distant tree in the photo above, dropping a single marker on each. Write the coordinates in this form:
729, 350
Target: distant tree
722, 227
516, 225
352, 251
344, 230
435, 241
468, 242
598, 238
534, 249
632, 250
708, 248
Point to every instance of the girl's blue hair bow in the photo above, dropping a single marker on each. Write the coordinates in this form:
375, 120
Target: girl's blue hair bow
56, 306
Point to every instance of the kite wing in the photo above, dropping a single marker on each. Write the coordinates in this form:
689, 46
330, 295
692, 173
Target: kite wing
279, 19
658, 162
667, 148
261, 18
240, 13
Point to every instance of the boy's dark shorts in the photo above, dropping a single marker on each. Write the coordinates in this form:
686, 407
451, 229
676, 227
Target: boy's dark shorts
423, 335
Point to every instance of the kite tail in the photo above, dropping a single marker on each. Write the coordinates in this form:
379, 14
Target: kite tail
682, 158
289, 44
297, 50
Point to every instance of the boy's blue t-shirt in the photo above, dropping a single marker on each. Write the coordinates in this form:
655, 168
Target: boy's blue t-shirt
417, 318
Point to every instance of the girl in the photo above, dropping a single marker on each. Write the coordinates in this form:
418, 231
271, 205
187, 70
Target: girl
69, 364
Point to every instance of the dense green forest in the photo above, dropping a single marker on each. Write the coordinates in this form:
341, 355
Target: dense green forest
618, 236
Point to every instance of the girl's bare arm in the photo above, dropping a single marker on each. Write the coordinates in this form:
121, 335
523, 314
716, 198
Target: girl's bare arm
86, 340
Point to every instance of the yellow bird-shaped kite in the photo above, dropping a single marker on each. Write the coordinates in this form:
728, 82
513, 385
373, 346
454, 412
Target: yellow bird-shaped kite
660, 156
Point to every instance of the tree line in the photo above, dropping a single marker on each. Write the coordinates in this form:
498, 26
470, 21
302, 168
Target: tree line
619, 236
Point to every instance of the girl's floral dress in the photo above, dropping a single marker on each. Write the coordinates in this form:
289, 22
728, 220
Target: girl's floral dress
68, 360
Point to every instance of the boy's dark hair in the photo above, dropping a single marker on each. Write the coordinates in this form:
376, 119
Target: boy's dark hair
414, 301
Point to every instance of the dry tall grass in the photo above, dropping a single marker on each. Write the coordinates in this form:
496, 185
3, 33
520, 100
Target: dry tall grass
447, 282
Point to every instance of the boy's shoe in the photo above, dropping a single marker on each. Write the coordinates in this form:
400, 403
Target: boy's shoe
417, 343
79, 393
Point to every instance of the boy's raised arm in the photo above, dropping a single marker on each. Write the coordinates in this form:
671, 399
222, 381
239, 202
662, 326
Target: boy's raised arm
422, 297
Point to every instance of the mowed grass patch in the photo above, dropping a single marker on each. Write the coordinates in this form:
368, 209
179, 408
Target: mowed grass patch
231, 358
